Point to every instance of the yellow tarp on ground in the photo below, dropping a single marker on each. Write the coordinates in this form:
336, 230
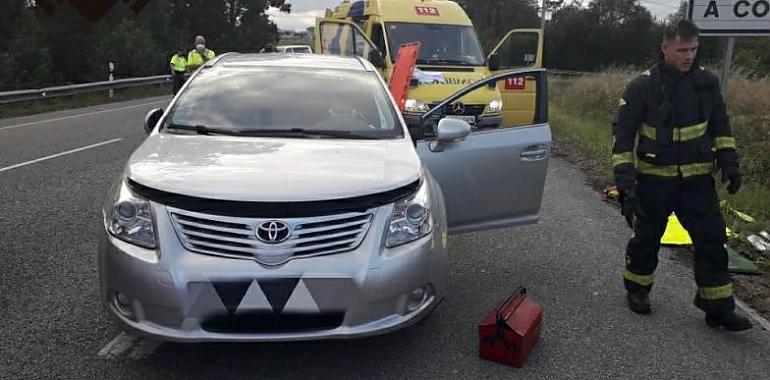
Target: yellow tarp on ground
675, 234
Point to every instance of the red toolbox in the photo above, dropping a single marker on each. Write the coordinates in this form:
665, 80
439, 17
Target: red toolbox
509, 333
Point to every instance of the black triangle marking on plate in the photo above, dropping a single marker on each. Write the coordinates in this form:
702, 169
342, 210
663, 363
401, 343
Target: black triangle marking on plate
278, 290
231, 293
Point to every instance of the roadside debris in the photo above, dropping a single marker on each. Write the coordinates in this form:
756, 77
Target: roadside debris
759, 243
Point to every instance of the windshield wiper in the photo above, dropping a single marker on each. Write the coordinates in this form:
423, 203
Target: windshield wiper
443, 62
203, 130
305, 133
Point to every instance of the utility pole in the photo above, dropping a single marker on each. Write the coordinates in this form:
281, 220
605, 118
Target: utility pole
727, 68
554, 4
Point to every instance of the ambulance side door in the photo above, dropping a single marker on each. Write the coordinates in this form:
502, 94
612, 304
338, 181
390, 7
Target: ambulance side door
344, 38
520, 48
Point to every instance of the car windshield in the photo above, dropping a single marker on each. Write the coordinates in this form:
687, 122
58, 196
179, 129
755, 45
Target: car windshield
439, 44
301, 49
286, 101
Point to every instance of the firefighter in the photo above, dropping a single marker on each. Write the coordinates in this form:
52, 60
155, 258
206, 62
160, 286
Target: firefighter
677, 113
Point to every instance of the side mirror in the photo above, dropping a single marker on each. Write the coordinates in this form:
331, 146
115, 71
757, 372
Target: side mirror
375, 57
151, 119
494, 62
449, 131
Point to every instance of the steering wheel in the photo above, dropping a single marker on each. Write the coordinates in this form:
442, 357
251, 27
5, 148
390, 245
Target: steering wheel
360, 116
352, 112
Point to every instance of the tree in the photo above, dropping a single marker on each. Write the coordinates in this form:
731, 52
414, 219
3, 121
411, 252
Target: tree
606, 33
494, 18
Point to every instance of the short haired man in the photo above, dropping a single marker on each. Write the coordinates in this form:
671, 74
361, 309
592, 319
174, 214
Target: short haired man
677, 113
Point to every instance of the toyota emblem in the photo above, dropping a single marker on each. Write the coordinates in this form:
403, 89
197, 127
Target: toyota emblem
273, 232
458, 108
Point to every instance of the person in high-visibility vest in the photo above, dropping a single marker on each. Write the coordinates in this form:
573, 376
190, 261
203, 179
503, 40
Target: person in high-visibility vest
178, 69
200, 55
671, 130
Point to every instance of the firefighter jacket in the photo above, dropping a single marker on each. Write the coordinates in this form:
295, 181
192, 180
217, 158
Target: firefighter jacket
672, 124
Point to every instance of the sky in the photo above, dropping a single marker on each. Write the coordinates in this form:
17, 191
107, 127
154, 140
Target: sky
304, 12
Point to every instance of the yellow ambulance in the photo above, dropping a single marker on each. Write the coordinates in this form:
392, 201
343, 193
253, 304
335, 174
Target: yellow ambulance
450, 58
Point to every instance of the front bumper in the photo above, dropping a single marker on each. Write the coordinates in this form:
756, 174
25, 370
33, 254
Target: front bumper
178, 295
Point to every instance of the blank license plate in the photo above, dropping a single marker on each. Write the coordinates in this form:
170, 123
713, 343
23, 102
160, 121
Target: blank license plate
467, 119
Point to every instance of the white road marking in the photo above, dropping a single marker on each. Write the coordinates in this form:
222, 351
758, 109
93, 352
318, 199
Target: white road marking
753, 315
59, 155
118, 345
134, 347
80, 115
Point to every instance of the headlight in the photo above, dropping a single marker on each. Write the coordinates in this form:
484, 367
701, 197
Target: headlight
411, 218
128, 218
495, 105
414, 105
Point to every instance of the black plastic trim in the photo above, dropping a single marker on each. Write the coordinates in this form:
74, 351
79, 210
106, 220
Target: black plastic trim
273, 209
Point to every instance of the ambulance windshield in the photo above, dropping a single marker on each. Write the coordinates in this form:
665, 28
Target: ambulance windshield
439, 44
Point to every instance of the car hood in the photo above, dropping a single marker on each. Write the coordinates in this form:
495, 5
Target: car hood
272, 169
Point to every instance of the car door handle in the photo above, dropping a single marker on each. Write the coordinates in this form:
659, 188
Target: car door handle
534, 153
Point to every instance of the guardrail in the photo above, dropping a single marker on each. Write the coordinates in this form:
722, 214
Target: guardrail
51, 92
569, 73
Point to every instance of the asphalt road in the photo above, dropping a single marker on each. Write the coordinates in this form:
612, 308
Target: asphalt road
54, 173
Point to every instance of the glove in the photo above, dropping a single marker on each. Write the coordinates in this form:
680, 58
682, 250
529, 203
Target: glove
630, 207
625, 181
733, 175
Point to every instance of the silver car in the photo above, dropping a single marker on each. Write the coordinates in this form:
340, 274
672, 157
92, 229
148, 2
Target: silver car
284, 198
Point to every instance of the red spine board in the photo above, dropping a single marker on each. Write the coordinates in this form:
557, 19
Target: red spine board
402, 72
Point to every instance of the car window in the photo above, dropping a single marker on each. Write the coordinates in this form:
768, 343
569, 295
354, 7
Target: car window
506, 101
378, 38
286, 99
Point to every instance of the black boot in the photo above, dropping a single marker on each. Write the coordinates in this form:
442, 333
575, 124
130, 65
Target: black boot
729, 321
639, 302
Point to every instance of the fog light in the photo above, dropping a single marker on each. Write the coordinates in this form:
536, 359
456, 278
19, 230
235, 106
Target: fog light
123, 304
123, 300
417, 298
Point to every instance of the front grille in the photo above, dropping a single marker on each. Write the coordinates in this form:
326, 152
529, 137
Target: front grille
470, 110
269, 322
237, 237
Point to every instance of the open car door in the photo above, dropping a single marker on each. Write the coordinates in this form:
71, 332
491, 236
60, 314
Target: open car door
519, 48
493, 177
344, 38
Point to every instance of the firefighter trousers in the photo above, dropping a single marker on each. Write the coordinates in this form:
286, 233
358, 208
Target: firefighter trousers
695, 202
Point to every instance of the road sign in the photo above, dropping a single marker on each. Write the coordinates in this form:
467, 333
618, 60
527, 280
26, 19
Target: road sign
731, 17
